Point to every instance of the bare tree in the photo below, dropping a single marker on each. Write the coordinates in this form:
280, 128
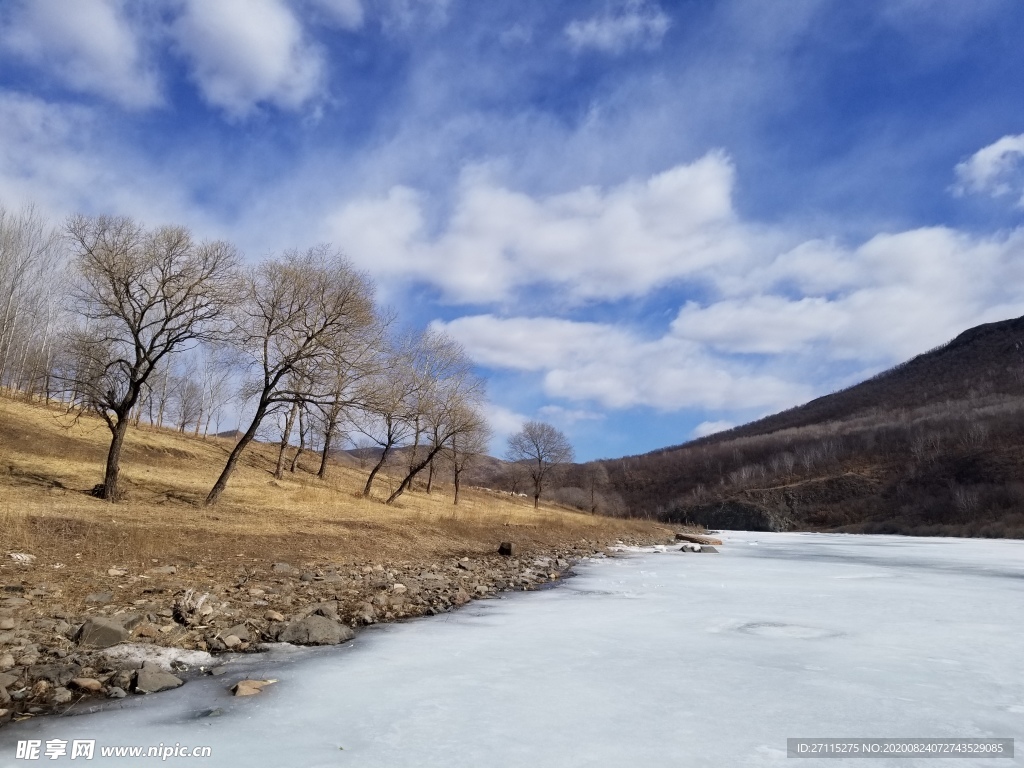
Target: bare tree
447, 395
542, 448
143, 295
464, 448
296, 315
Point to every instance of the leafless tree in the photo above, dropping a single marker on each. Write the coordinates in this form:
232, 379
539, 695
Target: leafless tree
542, 448
296, 315
33, 281
464, 448
447, 396
142, 295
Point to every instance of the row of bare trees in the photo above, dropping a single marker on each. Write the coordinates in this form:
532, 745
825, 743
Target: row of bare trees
140, 323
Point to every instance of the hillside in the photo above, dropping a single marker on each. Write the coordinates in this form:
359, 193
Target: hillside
932, 447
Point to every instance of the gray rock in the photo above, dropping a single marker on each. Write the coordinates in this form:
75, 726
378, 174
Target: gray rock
315, 630
5, 697
7, 679
130, 620
57, 674
6, 624
62, 696
240, 631
101, 632
164, 570
100, 598
152, 679
708, 548
116, 692
282, 568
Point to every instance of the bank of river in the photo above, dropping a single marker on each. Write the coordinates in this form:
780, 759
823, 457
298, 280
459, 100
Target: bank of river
654, 659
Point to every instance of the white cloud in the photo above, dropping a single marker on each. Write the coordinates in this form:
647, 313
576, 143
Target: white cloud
595, 243
246, 53
996, 170
636, 24
88, 45
600, 363
706, 428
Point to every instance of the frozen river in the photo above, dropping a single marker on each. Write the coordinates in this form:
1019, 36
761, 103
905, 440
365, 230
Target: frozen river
646, 660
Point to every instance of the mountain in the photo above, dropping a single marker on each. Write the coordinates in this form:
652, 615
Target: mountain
932, 446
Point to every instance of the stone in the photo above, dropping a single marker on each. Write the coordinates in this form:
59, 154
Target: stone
273, 616
15, 602
90, 684
240, 631
399, 589
7, 624
147, 630
250, 687
461, 597
231, 641
506, 548
62, 696
163, 570
100, 598
282, 568
307, 576
315, 630
5, 697
116, 692
41, 688
130, 620
465, 565
117, 572
101, 632
152, 679
7, 680
708, 548
6, 661
56, 674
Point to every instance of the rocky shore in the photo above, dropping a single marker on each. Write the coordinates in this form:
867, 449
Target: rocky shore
144, 632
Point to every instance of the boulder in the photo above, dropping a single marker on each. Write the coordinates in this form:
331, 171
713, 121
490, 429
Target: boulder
101, 632
315, 630
152, 679
241, 631
708, 548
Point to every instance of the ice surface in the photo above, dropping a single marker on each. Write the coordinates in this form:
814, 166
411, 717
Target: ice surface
652, 659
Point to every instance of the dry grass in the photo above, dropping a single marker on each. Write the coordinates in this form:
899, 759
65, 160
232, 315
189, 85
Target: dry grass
49, 461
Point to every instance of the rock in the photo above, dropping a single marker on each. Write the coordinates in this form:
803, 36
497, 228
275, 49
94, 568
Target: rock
6, 661
101, 632
5, 697
148, 630
315, 630
56, 674
6, 624
116, 692
307, 576
399, 589
707, 548
506, 548
117, 572
240, 631
461, 597
465, 565
152, 679
7, 680
164, 570
273, 616
62, 696
694, 539
89, 684
231, 641
15, 602
100, 598
282, 568
250, 687
41, 688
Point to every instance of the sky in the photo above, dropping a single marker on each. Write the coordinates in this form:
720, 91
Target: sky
645, 222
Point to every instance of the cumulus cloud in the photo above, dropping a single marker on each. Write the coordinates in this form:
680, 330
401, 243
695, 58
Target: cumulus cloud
604, 364
996, 170
247, 53
635, 24
595, 243
87, 45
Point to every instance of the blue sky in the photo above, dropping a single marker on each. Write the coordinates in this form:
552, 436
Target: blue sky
643, 221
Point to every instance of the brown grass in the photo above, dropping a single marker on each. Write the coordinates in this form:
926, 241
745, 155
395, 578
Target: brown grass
49, 461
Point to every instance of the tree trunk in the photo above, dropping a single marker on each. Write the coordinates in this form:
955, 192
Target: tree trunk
302, 440
455, 482
111, 491
407, 480
430, 476
288, 423
236, 452
376, 469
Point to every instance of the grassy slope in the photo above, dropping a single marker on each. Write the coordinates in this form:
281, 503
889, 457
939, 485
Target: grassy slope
48, 461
